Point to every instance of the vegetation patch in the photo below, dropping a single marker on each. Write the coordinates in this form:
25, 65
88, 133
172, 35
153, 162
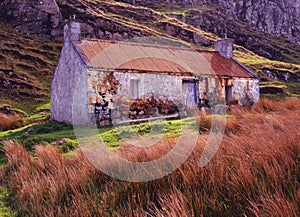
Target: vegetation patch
26, 67
255, 172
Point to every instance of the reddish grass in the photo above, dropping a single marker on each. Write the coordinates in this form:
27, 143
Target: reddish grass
8, 122
256, 172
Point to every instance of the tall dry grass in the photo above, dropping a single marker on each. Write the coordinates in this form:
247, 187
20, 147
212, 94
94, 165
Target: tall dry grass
256, 172
8, 122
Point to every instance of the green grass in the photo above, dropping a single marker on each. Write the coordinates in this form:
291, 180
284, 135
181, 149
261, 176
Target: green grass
293, 89
40, 113
113, 137
51, 132
183, 11
5, 210
257, 63
38, 133
290, 89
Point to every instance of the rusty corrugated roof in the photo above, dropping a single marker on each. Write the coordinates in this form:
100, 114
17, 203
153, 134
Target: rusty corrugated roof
138, 57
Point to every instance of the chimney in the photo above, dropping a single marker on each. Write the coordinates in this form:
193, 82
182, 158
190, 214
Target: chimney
72, 30
225, 47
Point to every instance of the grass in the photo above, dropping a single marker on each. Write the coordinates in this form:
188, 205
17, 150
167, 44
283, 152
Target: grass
5, 210
183, 11
28, 64
40, 113
293, 89
257, 63
38, 133
255, 172
113, 137
51, 131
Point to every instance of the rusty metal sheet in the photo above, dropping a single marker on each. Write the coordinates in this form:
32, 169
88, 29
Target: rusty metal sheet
94, 52
134, 52
155, 58
195, 61
175, 64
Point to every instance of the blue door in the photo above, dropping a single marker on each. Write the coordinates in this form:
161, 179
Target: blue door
190, 94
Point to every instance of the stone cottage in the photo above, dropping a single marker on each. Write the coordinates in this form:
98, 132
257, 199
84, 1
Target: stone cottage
111, 82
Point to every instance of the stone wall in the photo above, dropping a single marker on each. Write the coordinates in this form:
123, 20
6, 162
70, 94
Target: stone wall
69, 88
245, 90
211, 87
161, 86
167, 88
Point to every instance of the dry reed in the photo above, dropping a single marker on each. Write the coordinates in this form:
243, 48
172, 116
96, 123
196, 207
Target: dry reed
256, 172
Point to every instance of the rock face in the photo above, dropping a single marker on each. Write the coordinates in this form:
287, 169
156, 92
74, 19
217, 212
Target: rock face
36, 17
275, 17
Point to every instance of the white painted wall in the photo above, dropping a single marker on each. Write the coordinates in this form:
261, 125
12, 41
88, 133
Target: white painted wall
70, 75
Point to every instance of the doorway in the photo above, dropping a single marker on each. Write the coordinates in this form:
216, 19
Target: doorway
228, 94
190, 93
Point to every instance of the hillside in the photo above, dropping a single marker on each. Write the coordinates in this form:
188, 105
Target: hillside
26, 67
28, 58
277, 18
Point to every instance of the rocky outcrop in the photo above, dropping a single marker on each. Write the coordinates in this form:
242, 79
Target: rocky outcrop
232, 18
275, 17
281, 75
35, 17
217, 22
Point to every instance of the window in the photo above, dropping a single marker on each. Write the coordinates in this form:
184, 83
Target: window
134, 89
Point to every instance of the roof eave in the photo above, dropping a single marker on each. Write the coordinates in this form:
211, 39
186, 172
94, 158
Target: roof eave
245, 68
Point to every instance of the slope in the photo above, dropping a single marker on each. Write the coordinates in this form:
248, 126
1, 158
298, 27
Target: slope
26, 68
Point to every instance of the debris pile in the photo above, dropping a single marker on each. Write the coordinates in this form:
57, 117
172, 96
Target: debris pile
146, 107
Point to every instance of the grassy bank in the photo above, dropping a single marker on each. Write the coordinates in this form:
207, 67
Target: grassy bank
255, 172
